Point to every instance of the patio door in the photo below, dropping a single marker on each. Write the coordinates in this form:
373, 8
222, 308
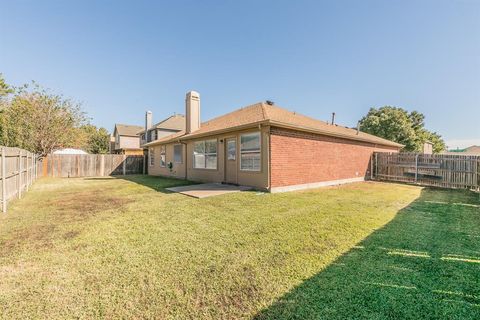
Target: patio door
231, 160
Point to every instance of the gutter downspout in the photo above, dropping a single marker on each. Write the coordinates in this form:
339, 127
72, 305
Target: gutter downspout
269, 177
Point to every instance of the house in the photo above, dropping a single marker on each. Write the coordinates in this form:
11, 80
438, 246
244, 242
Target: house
166, 127
266, 147
127, 139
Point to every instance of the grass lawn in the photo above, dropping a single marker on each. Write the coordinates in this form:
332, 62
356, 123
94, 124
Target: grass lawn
126, 248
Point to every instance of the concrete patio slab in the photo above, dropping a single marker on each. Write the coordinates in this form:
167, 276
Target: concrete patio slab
208, 189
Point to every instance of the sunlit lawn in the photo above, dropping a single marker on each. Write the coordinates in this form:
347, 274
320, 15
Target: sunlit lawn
115, 248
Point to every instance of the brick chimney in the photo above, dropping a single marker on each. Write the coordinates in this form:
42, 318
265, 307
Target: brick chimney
192, 111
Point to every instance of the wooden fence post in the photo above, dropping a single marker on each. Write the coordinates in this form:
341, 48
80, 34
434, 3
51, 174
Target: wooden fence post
416, 167
124, 163
19, 192
27, 179
102, 165
4, 182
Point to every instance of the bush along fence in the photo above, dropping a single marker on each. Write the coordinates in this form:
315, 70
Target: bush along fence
18, 172
438, 170
91, 165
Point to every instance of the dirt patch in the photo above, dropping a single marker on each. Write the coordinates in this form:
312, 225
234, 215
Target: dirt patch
63, 209
83, 204
36, 236
70, 235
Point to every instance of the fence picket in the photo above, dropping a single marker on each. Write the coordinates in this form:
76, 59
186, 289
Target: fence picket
439, 170
91, 165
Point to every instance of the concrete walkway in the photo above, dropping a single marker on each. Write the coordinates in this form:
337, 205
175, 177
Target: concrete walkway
208, 189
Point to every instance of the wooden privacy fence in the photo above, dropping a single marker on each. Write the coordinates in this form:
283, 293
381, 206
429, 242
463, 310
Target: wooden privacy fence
439, 170
91, 165
18, 172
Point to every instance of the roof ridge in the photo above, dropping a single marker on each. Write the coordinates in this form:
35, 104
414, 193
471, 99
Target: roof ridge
231, 112
130, 125
264, 111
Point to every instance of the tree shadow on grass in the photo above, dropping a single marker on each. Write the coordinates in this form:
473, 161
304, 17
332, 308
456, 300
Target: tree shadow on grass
424, 264
158, 184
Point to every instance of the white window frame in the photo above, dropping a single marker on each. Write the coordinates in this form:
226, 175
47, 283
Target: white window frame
205, 154
163, 156
247, 152
151, 157
181, 153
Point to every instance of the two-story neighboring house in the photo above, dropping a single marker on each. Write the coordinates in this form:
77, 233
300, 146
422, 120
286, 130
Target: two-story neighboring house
166, 127
127, 139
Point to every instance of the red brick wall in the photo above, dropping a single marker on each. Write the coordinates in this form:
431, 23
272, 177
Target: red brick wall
299, 158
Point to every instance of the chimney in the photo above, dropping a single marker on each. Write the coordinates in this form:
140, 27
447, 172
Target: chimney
192, 111
333, 118
358, 127
148, 120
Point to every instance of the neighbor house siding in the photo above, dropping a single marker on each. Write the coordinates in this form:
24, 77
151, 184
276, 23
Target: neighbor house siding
299, 158
128, 143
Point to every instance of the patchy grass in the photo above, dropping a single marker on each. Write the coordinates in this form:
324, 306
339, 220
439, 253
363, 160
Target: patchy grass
127, 248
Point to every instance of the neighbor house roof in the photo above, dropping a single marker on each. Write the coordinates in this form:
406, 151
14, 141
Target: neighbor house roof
473, 149
128, 130
262, 113
174, 123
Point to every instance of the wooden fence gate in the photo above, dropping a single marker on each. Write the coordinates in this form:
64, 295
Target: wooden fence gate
91, 165
438, 170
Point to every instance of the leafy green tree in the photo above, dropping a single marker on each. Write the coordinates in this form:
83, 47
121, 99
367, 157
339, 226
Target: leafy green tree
39, 121
95, 140
5, 89
397, 124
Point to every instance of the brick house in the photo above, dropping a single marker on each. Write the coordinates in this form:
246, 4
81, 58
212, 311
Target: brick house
266, 147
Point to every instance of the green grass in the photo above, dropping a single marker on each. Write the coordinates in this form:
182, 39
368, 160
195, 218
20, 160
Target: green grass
126, 248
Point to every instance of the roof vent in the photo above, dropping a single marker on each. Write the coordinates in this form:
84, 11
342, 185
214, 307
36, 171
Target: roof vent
269, 102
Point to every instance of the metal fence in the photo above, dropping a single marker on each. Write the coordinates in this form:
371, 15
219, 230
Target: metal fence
91, 165
438, 170
18, 172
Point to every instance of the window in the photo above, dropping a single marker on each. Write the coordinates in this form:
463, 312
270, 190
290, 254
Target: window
177, 153
205, 154
231, 149
250, 152
151, 156
153, 135
162, 156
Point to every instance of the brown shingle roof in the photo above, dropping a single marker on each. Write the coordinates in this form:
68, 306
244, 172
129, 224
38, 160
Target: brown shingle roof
174, 123
127, 129
262, 113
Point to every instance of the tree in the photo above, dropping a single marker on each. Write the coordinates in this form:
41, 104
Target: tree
5, 89
397, 124
39, 121
95, 140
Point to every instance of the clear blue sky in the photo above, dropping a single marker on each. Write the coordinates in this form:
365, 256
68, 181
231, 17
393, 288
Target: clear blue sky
314, 57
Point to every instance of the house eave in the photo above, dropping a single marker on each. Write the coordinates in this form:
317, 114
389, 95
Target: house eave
333, 134
193, 136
